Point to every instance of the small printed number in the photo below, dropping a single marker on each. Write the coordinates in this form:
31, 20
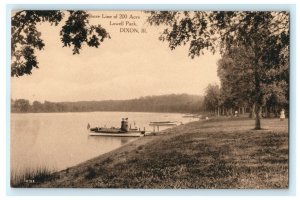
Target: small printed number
123, 16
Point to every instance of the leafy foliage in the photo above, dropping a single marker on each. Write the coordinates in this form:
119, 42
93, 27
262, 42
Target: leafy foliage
212, 97
186, 28
76, 31
237, 81
26, 39
256, 44
20, 105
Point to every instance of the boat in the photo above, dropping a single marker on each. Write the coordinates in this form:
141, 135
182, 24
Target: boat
128, 134
124, 131
192, 116
164, 123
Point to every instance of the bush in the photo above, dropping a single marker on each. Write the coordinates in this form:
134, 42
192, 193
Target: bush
91, 173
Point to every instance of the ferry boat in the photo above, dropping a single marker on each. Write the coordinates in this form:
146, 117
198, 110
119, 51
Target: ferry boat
124, 131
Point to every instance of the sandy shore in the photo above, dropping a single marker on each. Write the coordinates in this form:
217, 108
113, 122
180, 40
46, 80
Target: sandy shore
220, 153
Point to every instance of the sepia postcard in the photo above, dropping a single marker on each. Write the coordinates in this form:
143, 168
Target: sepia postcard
149, 99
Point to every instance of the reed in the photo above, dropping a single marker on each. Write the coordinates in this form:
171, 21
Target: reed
29, 177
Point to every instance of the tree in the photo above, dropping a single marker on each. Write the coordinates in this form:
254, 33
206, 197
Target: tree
277, 96
37, 106
26, 39
212, 98
21, 105
229, 76
237, 77
264, 34
49, 106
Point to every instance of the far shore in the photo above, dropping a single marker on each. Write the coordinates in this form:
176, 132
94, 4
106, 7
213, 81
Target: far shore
211, 154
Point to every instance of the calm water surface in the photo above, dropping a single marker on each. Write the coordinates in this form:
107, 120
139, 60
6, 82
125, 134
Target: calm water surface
61, 140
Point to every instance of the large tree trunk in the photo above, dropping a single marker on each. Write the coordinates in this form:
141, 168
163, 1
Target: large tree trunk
257, 117
259, 94
252, 112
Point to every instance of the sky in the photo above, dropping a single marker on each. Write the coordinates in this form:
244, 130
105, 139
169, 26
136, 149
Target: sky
129, 65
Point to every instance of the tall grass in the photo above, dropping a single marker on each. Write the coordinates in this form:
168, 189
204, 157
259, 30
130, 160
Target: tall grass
29, 177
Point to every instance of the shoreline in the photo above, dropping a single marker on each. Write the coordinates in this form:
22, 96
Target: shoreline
225, 153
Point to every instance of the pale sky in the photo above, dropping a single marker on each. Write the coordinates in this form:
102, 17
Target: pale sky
128, 65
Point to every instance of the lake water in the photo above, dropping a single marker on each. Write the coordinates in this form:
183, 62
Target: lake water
61, 140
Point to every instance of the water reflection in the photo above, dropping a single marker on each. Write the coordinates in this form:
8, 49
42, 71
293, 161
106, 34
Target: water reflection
112, 141
124, 140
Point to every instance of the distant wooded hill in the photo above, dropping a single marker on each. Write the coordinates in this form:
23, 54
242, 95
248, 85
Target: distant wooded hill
163, 103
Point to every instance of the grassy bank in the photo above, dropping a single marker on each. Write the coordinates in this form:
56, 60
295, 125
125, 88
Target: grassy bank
28, 177
220, 153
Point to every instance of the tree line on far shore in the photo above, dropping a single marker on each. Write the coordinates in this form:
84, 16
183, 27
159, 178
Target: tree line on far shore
214, 102
181, 103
